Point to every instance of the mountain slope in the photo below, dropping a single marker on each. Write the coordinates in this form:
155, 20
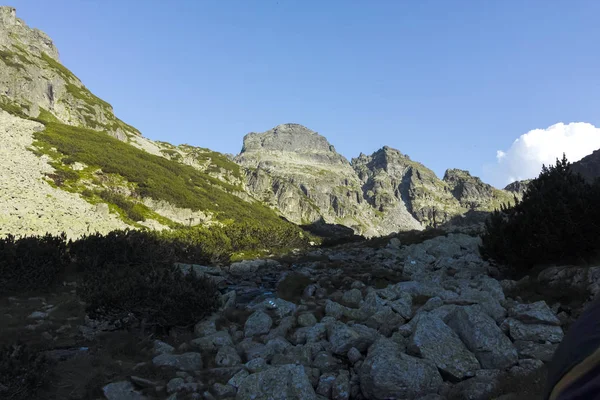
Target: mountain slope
588, 166
70, 165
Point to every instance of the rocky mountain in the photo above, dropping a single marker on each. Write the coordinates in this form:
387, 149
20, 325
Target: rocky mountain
518, 187
588, 166
108, 172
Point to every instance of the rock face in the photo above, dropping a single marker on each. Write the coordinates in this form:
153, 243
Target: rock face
32, 79
298, 172
588, 167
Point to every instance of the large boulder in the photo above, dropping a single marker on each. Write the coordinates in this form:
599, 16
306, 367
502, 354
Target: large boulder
534, 313
285, 382
483, 337
343, 337
433, 340
185, 362
387, 373
534, 332
258, 323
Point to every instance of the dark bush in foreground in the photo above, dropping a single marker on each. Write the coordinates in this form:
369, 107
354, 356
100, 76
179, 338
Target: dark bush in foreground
31, 263
156, 294
22, 372
558, 220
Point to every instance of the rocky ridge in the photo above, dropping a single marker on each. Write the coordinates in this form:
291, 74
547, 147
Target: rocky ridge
423, 321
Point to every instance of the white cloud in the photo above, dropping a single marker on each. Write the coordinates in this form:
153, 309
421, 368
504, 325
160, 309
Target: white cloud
527, 154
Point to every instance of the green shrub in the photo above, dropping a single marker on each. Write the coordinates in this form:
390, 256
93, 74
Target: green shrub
558, 220
157, 294
32, 262
133, 211
22, 372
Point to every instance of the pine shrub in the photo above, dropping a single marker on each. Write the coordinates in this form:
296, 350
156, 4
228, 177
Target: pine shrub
558, 220
23, 372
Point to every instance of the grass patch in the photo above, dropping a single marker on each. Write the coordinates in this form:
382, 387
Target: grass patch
8, 58
154, 176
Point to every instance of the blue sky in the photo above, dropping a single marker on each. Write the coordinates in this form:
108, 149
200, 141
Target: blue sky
447, 82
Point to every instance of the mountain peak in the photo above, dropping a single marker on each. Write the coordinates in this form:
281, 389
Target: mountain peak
8, 16
290, 138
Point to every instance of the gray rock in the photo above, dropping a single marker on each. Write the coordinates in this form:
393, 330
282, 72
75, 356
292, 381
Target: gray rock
281, 308
237, 380
300, 355
307, 319
205, 327
184, 362
175, 385
283, 328
352, 298
325, 384
434, 340
432, 304
483, 337
278, 345
388, 373
326, 362
354, 355
227, 356
161, 347
402, 305
285, 382
478, 388
341, 386
258, 323
343, 338
316, 333
213, 341
256, 365
526, 367
534, 332
534, 313
224, 390
122, 390
334, 309
38, 315
538, 351
251, 266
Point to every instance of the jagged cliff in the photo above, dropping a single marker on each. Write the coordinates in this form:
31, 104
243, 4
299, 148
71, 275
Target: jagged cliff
34, 82
588, 166
298, 172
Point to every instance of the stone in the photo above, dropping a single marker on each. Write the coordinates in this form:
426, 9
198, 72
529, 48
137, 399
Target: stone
334, 309
352, 298
340, 389
283, 328
479, 332
388, 373
526, 367
184, 362
325, 384
307, 319
175, 385
534, 332
433, 340
224, 390
343, 337
256, 365
38, 315
326, 362
281, 308
213, 341
161, 347
477, 388
278, 345
316, 333
237, 379
258, 323
227, 356
534, 313
402, 305
539, 351
122, 390
205, 327
354, 355
285, 382
432, 304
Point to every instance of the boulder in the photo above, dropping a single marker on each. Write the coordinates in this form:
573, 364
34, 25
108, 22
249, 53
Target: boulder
285, 382
534, 313
122, 390
185, 362
388, 373
257, 324
434, 340
483, 337
534, 332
